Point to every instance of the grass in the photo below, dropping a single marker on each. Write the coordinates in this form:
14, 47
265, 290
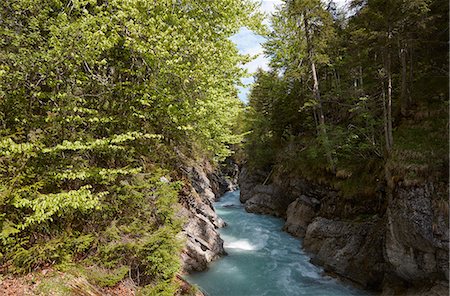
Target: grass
420, 151
55, 284
95, 274
352, 178
77, 279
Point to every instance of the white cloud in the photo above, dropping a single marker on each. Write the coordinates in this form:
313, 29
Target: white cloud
248, 42
342, 3
269, 6
260, 62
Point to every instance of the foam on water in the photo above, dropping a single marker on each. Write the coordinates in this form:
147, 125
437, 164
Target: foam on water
262, 260
241, 245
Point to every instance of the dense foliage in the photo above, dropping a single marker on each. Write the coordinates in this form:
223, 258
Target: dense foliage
349, 93
97, 99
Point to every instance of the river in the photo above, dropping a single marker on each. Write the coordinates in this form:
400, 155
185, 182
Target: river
262, 259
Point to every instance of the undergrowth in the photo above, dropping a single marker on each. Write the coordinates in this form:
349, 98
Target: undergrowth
420, 151
132, 235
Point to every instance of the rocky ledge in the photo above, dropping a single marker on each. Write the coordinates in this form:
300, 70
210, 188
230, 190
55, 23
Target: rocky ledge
395, 242
349, 249
204, 185
259, 197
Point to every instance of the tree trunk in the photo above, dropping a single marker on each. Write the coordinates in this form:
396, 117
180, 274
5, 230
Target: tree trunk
411, 77
389, 94
403, 89
361, 82
316, 121
336, 79
316, 93
385, 117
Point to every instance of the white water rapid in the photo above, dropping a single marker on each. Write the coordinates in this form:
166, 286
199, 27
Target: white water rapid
262, 260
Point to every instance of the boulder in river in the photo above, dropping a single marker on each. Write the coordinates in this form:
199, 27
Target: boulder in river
300, 214
248, 179
266, 199
348, 249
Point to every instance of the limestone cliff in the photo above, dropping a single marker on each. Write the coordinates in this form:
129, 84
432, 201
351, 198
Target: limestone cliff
395, 242
204, 184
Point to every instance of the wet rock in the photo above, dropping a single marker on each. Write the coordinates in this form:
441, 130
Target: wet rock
248, 180
417, 235
395, 231
262, 198
349, 249
265, 199
225, 179
185, 288
395, 286
203, 242
300, 214
200, 182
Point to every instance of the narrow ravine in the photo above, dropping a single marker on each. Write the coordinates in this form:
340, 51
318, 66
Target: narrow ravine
262, 259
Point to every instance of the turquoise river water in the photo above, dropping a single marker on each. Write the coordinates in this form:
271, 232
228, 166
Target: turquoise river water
262, 260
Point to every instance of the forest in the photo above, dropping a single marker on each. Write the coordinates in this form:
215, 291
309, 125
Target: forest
102, 102
348, 95
98, 100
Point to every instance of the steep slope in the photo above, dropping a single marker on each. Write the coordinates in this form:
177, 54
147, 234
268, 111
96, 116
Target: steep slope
203, 243
394, 239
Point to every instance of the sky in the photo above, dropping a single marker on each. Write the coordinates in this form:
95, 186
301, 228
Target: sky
250, 43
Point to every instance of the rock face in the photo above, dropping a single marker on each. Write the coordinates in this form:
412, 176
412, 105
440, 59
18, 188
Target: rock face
225, 178
248, 180
300, 214
260, 198
265, 199
203, 243
395, 242
417, 234
351, 250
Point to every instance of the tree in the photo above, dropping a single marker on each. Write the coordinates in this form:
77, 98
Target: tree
305, 26
360, 75
391, 25
97, 99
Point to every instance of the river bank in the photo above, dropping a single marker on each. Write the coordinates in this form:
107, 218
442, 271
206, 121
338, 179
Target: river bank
394, 242
262, 259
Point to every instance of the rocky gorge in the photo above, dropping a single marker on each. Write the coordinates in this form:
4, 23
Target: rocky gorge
394, 242
200, 231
